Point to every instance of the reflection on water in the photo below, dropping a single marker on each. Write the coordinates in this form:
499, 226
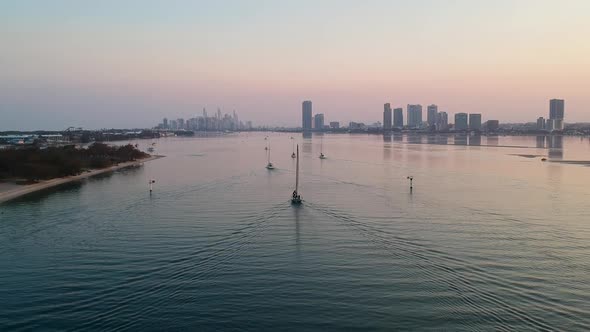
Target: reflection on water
386, 138
460, 139
414, 138
442, 139
475, 140
555, 144
492, 140
540, 140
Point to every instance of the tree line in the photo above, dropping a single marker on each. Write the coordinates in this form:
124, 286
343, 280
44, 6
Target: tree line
41, 164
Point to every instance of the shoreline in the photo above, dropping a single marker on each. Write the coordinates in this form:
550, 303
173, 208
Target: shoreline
31, 188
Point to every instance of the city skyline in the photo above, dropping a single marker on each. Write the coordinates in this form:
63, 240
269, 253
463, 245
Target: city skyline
126, 65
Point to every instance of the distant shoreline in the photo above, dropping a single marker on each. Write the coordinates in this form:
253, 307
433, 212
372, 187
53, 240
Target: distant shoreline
31, 188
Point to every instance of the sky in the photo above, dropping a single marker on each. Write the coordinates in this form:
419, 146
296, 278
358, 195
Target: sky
128, 64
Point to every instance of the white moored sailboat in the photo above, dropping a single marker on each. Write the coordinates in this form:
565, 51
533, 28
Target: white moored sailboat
293, 154
322, 156
269, 165
296, 198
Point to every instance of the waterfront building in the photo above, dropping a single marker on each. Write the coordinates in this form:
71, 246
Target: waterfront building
335, 125
414, 116
475, 121
461, 121
387, 117
442, 121
432, 111
541, 123
492, 125
319, 121
306, 115
550, 124
356, 126
398, 118
556, 109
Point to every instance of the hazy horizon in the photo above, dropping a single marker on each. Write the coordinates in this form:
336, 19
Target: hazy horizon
105, 64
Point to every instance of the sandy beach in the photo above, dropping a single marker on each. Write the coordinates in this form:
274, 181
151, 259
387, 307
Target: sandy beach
13, 192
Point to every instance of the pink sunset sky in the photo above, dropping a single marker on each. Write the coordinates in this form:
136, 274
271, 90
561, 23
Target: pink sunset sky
129, 64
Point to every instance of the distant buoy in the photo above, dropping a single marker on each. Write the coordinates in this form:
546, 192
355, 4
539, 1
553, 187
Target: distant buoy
411, 178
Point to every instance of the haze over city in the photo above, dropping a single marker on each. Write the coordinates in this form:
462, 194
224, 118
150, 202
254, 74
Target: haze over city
112, 64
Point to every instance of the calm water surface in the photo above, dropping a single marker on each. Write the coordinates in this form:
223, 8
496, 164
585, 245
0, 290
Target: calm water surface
491, 238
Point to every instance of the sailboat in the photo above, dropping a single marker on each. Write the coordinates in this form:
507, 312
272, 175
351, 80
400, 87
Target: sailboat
296, 198
269, 165
322, 156
293, 154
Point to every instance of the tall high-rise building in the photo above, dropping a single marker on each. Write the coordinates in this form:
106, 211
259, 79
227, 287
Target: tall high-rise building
306, 114
432, 110
387, 117
398, 118
541, 123
475, 121
414, 116
461, 121
442, 121
165, 123
556, 109
319, 122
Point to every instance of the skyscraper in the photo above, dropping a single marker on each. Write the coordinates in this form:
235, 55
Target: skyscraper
306, 112
319, 122
398, 118
541, 123
387, 120
461, 121
431, 115
556, 109
442, 121
557, 113
414, 116
475, 121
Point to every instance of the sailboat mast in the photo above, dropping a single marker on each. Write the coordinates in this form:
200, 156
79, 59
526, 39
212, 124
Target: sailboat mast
269, 152
297, 172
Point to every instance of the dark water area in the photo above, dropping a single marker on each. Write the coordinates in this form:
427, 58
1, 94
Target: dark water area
491, 238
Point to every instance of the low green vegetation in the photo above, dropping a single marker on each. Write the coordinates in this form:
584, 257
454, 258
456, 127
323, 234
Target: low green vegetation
42, 164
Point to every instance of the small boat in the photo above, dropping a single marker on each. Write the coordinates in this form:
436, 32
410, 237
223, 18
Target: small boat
269, 165
543, 159
296, 198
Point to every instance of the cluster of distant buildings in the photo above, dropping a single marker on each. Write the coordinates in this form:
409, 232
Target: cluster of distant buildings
436, 121
556, 117
217, 122
393, 119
